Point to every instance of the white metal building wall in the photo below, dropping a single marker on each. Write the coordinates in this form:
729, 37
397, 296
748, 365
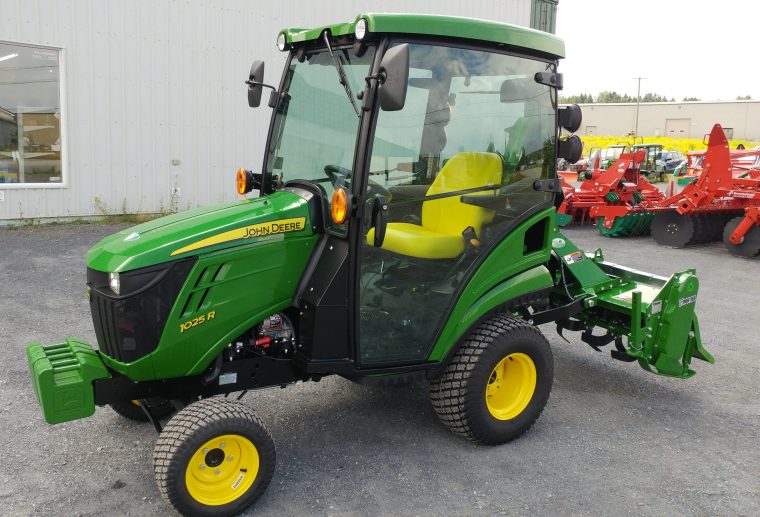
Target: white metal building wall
619, 119
153, 95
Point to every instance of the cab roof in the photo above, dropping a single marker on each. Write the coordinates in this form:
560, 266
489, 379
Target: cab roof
446, 26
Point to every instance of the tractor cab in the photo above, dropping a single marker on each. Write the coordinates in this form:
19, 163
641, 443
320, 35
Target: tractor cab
653, 167
431, 184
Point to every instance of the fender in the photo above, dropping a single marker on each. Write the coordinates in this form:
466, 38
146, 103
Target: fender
534, 284
514, 268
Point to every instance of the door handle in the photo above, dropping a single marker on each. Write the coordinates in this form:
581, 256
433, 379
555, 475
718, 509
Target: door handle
379, 219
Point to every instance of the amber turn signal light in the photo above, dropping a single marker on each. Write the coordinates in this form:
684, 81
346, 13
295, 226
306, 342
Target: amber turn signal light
339, 206
244, 181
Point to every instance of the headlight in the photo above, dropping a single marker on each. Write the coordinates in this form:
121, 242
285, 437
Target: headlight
361, 29
281, 41
114, 283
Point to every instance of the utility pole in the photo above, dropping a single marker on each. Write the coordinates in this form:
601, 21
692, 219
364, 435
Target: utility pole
638, 100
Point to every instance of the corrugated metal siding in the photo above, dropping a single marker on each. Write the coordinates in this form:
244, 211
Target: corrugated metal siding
151, 81
544, 15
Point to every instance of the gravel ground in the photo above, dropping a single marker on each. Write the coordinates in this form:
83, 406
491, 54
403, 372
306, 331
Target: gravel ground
613, 439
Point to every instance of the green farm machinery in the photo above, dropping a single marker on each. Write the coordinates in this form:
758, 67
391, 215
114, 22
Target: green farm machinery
387, 240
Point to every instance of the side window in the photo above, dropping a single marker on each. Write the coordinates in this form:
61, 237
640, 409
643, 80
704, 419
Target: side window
475, 122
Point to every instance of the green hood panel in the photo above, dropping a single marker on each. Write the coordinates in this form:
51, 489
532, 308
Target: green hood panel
201, 230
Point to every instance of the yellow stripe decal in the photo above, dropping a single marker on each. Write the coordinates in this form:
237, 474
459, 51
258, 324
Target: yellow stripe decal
294, 224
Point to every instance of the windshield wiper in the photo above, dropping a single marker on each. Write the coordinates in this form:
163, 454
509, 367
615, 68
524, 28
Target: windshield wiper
341, 74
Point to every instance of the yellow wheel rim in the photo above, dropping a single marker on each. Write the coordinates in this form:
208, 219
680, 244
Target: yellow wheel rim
222, 470
511, 386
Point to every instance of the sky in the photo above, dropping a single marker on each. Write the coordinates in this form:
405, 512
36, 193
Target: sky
708, 50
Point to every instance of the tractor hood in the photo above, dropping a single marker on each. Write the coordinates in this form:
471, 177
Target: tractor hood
203, 230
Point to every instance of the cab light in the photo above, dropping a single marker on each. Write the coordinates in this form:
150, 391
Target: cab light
339, 206
361, 29
281, 41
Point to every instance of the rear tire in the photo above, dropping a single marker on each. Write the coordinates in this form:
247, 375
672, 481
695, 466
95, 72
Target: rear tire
131, 410
498, 382
215, 457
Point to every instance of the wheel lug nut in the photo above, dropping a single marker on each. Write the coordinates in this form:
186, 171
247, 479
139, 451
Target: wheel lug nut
205, 450
221, 445
229, 458
217, 472
201, 466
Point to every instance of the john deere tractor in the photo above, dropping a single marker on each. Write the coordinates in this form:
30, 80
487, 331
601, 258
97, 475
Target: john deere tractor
402, 227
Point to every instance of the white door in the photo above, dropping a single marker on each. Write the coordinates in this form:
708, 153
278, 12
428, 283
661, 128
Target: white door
678, 127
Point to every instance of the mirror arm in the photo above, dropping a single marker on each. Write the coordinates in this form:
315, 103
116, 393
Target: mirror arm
256, 83
368, 96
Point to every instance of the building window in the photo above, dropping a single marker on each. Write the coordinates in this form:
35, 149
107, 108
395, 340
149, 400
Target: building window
30, 115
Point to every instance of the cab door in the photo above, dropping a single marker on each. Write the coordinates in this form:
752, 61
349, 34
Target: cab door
449, 174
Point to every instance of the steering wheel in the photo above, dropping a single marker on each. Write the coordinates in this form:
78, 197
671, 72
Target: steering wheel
373, 188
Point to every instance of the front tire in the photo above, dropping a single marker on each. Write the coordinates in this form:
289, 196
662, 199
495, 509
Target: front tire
215, 457
498, 382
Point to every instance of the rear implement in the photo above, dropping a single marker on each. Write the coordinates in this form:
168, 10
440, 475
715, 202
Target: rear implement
650, 319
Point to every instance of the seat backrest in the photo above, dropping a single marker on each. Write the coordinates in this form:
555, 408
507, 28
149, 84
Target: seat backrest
462, 171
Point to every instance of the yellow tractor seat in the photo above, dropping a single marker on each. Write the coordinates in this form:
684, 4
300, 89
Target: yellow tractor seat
444, 219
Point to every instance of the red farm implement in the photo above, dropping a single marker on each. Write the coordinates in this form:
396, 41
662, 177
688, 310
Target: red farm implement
723, 203
618, 187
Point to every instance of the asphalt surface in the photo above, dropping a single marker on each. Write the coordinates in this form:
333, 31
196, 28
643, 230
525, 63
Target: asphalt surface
613, 439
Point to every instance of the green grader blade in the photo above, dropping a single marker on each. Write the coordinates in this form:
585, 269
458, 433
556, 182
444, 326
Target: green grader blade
629, 225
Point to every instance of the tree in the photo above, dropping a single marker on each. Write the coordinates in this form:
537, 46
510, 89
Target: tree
583, 98
690, 99
608, 96
612, 97
653, 97
743, 97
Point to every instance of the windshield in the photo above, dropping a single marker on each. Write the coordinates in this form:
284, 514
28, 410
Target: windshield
314, 132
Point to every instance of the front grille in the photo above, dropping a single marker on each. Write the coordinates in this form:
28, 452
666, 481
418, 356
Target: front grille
105, 325
129, 327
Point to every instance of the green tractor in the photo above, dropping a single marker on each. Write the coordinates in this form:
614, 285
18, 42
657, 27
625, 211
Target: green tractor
394, 235
653, 167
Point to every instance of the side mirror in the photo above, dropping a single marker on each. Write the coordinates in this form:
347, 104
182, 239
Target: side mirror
570, 149
395, 69
255, 84
570, 117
